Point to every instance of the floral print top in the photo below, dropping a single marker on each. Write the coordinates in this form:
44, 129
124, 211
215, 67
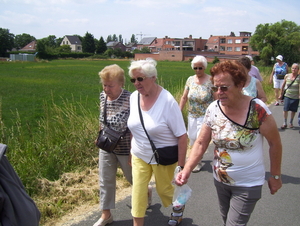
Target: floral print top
199, 96
238, 154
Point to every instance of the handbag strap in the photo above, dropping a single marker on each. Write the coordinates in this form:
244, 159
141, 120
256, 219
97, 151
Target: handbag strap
291, 83
142, 122
104, 111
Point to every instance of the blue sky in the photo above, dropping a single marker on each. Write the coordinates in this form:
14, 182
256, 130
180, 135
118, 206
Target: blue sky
153, 18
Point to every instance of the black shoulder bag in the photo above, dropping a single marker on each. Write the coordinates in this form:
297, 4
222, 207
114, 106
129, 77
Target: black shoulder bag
108, 138
163, 156
283, 93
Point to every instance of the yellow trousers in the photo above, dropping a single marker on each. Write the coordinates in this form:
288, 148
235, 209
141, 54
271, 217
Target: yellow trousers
141, 175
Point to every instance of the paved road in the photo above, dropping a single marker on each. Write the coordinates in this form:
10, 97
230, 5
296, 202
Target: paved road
202, 208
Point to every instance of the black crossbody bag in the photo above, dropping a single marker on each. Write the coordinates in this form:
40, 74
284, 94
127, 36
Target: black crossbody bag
108, 138
163, 156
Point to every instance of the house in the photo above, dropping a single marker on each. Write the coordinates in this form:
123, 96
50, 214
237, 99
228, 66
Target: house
231, 44
176, 49
73, 41
29, 47
116, 45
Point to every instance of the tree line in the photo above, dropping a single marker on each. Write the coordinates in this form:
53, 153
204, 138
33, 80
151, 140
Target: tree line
269, 39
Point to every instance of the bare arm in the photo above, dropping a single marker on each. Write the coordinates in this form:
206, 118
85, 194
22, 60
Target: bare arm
182, 146
269, 130
183, 99
197, 153
260, 91
271, 75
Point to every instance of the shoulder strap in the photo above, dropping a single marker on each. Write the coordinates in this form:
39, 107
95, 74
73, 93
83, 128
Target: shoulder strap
142, 122
104, 111
292, 82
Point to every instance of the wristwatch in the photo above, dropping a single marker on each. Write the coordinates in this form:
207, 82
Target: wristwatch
276, 177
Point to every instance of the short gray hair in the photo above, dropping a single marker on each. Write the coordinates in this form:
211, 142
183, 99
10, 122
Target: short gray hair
199, 59
146, 67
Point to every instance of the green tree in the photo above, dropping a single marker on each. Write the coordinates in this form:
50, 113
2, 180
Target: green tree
101, 46
280, 38
109, 39
64, 49
88, 43
133, 39
6, 41
114, 38
22, 40
120, 39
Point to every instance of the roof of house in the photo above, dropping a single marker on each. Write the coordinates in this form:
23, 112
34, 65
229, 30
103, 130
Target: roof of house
74, 40
30, 46
147, 41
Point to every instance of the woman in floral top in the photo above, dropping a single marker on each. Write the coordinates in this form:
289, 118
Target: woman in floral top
237, 124
198, 94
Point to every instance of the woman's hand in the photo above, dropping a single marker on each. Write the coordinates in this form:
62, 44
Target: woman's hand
182, 177
274, 185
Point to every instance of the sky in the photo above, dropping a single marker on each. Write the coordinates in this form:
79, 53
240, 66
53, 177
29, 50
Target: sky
143, 18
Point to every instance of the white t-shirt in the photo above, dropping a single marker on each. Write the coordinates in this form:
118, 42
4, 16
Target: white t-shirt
238, 155
163, 122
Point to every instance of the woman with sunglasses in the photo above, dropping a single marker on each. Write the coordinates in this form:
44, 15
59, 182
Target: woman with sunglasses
197, 92
165, 126
237, 125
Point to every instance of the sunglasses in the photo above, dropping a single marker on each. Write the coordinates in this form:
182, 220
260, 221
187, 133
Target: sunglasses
140, 79
199, 68
222, 88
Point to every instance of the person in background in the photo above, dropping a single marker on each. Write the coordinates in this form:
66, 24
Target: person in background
280, 69
164, 123
237, 124
291, 96
254, 71
117, 112
253, 87
198, 94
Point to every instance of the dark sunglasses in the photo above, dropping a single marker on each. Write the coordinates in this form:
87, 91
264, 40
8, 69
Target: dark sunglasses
199, 68
140, 79
222, 88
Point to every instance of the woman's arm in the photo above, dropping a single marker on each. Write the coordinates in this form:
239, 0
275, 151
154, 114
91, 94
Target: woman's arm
197, 153
183, 99
269, 130
260, 91
182, 147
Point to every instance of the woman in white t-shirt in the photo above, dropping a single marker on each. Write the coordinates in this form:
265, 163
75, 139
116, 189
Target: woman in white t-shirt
237, 123
164, 123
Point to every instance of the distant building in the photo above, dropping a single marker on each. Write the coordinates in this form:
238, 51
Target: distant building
176, 49
231, 45
29, 47
73, 41
116, 45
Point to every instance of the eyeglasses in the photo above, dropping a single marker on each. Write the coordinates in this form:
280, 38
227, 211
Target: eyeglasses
140, 79
222, 88
199, 68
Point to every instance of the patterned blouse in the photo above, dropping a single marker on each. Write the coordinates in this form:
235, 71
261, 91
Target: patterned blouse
238, 154
199, 97
117, 113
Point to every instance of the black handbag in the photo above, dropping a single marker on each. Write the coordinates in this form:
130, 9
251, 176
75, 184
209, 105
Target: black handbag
165, 155
108, 138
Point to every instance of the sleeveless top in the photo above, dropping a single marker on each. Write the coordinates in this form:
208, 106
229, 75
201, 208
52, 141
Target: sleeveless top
251, 89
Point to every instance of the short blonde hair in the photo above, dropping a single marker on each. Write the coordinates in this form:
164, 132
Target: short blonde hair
112, 73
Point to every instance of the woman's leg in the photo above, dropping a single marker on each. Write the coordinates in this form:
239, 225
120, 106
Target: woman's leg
141, 175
